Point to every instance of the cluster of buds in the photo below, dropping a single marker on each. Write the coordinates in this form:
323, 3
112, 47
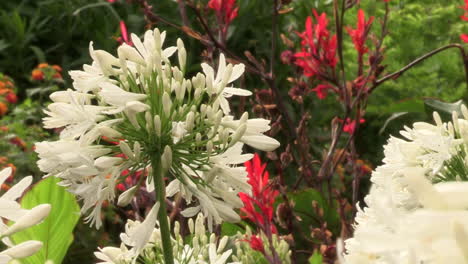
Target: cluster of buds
261, 247
22, 218
7, 93
46, 72
199, 248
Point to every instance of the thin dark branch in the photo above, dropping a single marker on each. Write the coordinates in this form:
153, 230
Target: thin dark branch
400, 72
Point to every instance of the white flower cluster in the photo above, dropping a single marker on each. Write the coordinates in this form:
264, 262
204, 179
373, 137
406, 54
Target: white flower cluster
157, 118
202, 249
10, 210
417, 206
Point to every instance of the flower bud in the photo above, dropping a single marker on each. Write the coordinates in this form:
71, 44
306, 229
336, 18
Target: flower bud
31, 218
238, 134
137, 150
209, 85
437, 119
125, 148
157, 125
189, 121
209, 147
464, 111
105, 162
23, 250
182, 54
244, 118
109, 132
166, 158
167, 104
126, 197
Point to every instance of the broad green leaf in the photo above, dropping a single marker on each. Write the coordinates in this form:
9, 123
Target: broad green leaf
316, 258
230, 229
56, 231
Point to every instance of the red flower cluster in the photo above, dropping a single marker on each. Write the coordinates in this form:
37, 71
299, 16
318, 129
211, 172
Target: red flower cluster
350, 125
7, 93
226, 10
318, 55
259, 206
464, 37
359, 35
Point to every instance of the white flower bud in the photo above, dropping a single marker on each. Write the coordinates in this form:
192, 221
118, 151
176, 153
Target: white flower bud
166, 158
182, 54
189, 121
23, 250
464, 111
188, 84
149, 121
209, 146
157, 125
105, 162
244, 118
109, 132
238, 134
198, 92
222, 244
209, 85
125, 148
31, 218
157, 39
437, 119
137, 150
191, 225
167, 104
198, 137
126, 197
455, 121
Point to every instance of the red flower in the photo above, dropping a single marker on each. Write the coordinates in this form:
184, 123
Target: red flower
124, 33
350, 125
464, 37
225, 10
318, 54
321, 90
259, 206
359, 35
256, 243
11, 98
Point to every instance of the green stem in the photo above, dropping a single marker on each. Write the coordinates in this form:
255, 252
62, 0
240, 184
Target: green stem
160, 193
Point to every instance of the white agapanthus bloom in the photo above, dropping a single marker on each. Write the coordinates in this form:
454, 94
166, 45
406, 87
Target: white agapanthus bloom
202, 249
417, 208
138, 111
10, 210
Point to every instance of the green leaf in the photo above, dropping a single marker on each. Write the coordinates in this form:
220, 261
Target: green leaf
56, 231
230, 229
443, 107
316, 258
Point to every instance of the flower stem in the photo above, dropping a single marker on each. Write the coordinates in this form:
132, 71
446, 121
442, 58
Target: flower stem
160, 193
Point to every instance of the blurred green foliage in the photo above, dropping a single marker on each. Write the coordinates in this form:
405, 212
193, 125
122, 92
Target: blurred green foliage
59, 32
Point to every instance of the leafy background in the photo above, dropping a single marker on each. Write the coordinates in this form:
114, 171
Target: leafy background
59, 31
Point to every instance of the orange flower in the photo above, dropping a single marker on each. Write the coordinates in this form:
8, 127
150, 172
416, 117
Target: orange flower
3, 108
43, 65
57, 68
37, 75
3, 129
